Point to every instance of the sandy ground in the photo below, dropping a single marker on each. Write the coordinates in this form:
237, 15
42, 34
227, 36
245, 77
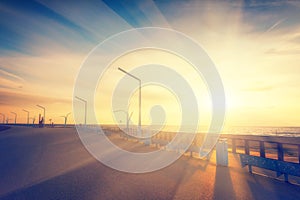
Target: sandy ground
51, 163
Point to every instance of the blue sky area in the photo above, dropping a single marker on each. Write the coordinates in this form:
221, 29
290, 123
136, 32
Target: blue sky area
255, 46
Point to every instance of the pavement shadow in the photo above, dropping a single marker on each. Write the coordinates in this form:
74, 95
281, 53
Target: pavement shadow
223, 188
61, 186
3, 128
266, 188
203, 164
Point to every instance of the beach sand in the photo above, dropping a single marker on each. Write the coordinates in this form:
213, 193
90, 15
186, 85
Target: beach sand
52, 163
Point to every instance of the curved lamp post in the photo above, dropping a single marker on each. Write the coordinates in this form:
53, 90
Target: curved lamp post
7, 120
27, 115
85, 107
44, 113
33, 119
127, 117
3, 121
66, 118
15, 116
140, 97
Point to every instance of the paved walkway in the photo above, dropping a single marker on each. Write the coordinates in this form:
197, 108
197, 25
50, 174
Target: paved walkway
51, 163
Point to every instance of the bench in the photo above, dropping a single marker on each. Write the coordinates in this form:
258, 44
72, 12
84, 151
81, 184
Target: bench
159, 142
280, 167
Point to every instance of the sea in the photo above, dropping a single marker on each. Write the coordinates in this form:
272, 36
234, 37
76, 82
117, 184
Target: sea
263, 130
283, 131
251, 130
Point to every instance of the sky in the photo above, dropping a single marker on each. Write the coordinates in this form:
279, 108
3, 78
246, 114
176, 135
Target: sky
255, 46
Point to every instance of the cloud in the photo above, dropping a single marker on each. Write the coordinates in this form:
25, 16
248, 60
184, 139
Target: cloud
9, 84
10, 75
283, 52
275, 25
41, 50
258, 89
10, 80
295, 39
21, 99
259, 3
36, 32
95, 17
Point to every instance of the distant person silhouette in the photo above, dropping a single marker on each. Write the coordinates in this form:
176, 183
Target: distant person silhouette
41, 122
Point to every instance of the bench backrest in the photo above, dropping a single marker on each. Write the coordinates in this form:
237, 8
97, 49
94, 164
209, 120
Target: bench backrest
281, 167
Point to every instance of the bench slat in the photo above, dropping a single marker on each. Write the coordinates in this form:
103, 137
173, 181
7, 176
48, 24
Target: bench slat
281, 167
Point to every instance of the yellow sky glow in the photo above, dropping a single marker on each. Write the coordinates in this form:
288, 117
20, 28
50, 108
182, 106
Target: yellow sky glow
259, 69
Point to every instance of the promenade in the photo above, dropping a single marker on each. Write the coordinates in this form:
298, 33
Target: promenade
52, 163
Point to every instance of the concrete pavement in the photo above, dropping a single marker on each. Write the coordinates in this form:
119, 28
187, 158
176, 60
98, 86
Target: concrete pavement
51, 163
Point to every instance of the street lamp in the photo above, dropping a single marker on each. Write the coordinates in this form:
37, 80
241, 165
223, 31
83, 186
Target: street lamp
66, 118
140, 95
27, 115
3, 121
33, 119
44, 113
7, 120
15, 116
50, 120
127, 117
85, 107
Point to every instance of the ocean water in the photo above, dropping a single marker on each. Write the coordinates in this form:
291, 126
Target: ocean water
263, 130
250, 130
238, 130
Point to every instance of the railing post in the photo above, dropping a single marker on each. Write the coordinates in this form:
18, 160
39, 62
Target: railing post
286, 177
250, 169
247, 150
262, 149
233, 146
299, 153
280, 152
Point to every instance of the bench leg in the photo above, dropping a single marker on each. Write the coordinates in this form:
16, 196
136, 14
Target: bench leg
250, 168
286, 177
191, 154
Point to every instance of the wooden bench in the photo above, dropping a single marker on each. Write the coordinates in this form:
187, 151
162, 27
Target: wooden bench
280, 167
159, 142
